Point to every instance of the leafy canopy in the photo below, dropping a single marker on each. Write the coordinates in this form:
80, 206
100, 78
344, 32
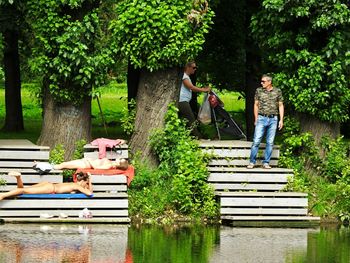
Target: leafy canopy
156, 34
307, 42
71, 50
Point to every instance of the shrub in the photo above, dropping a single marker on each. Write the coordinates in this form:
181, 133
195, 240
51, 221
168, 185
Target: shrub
321, 170
57, 156
128, 117
179, 184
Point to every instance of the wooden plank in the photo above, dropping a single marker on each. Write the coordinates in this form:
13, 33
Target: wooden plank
17, 164
93, 148
261, 194
69, 212
63, 203
240, 177
109, 155
236, 153
27, 172
263, 201
33, 179
237, 162
263, 211
109, 179
247, 187
102, 220
230, 144
20, 142
24, 155
109, 188
250, 171
16, 144
271, 218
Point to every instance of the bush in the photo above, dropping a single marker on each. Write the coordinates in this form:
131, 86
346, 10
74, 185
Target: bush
57, 156
179, 184
321, 170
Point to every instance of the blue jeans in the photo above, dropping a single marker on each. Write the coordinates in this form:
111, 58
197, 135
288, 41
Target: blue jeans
264, 125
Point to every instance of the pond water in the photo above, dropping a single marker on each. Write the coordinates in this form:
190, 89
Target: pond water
130, 244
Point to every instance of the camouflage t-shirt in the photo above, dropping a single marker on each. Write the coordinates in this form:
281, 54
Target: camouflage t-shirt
268, 100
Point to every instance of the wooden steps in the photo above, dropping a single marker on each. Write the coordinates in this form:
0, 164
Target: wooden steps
253, 196
109, 203
242, 179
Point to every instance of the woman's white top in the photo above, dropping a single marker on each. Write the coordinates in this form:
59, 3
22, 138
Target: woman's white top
185, 93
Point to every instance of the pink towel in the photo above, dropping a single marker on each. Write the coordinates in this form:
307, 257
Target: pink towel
103, 143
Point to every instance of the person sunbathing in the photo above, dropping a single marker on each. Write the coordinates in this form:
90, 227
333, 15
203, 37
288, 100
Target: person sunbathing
85, 163
82, 185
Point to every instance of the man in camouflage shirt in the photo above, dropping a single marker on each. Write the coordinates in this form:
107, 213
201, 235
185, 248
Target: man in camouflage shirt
268, 104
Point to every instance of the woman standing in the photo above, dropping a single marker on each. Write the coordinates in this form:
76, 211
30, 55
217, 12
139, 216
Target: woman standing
186, 95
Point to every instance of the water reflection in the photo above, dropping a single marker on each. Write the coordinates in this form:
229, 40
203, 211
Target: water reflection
259, 244
63, 243
185, 244
190, 244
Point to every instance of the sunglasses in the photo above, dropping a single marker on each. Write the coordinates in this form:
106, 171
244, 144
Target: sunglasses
263, 81
194, 67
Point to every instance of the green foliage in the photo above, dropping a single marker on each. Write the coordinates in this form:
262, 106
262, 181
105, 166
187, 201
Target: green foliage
79, 149
182, 161
182, 243
128, 117
71, 50
2, 181
179, 184
57, 157
146, 194
156, 34
308, 43
336, 162
321, 170
57, 154
113, 99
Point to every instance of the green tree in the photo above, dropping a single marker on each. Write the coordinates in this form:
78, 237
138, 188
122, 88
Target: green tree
73, 55
306, 43
158, 37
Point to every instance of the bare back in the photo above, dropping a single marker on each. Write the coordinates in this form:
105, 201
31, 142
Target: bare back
62, 188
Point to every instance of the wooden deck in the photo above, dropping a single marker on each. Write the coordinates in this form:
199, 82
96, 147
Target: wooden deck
108, 205
254, 196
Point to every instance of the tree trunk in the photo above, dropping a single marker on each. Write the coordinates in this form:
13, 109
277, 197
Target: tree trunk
156, 90
318, 128
65, 124
133, 78
13, 102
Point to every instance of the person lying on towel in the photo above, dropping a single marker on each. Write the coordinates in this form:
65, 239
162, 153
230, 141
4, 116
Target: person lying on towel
82, 185
85, 163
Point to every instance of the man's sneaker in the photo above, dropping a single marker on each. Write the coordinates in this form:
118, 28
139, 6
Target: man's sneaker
266, 166
250, 166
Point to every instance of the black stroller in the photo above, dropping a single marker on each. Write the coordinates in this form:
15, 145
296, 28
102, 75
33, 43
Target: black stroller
222, 119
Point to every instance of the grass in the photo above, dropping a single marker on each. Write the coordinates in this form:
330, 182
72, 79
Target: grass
112, 99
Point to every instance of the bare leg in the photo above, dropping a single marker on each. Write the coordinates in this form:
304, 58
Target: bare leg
74, 164
18, 178
42, 188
